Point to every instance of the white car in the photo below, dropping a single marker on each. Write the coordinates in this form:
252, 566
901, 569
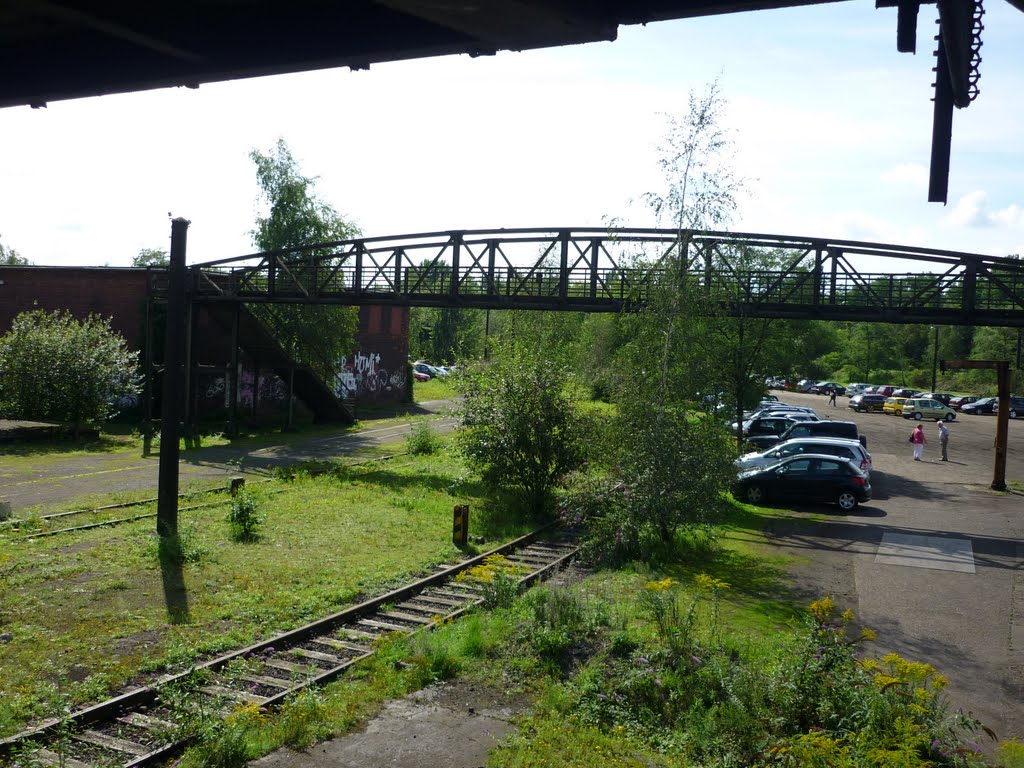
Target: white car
833, 446
856, 388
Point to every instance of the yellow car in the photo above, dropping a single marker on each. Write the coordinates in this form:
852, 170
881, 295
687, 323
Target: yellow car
894, 405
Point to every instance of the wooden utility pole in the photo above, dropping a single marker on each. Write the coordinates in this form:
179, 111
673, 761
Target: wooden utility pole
1002, 369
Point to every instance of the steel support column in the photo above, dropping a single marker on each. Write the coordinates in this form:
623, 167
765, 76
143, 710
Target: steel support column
231, 380
167, 495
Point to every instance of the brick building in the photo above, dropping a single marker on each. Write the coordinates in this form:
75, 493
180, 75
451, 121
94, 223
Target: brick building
375, 373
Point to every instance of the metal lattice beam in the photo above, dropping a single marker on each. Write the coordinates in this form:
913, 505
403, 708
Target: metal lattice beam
609, 270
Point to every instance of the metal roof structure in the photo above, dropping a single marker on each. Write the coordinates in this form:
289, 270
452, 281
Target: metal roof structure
63, 49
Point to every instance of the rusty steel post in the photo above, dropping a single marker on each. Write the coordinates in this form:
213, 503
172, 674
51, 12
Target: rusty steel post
1002, 369
1002, 425
460, 525
174, 340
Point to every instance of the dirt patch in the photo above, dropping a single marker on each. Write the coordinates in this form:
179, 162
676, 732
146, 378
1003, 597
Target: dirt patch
139, 641
450, 725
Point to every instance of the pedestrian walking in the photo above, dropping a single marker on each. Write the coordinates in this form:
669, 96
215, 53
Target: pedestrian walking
944, 440
832, 397
918, 439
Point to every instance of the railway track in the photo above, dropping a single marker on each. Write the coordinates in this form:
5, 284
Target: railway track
149, 724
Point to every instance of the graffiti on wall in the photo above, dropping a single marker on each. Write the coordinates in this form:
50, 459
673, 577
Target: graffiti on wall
272, 389
363, 376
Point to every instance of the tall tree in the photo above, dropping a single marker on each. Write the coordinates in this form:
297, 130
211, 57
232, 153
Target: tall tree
293, 216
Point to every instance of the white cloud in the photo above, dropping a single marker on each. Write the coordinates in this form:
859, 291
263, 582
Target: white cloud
1010, 216
971, 211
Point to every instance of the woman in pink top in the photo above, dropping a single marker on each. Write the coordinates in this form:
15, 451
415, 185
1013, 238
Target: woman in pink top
917, 438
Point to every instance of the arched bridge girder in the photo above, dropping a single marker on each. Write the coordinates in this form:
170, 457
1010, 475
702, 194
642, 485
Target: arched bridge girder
610, 270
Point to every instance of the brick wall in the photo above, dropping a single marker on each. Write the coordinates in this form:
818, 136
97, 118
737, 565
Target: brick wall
118, 293
376, 372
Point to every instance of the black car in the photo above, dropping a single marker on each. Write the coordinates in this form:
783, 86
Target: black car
826, 388
942, 397
805, 478
821, 428
770, 426
960, 402
1016, 410
984, 405
866, 403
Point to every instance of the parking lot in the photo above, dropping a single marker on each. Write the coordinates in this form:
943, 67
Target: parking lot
934, 562
971, 445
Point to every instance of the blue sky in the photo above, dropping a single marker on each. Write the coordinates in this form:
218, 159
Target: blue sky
831, 127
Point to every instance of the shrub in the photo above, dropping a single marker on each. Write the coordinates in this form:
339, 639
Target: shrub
423, 439
245, 516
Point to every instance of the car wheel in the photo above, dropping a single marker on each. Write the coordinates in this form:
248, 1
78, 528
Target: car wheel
754, 494
847, 501
1013, 414
917, 416
950, 417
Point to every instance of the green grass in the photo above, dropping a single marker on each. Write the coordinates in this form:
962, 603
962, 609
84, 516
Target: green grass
435, 389
90, 611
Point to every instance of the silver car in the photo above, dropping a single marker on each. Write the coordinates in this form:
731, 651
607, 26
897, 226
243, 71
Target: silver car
833, 446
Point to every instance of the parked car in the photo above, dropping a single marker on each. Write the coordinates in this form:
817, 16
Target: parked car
804, 385
805, 478
420, 376
894, 405
850, 450
1016, 407
981, 405
826, 428
770, 425
856, 388
866, 403
942, 397
904, 392
772, 409
826, 388
960, 402
918, 408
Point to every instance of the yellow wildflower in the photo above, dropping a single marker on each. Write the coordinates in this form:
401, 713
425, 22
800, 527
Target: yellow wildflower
847, 615
704, 581
661, 586
886, 681
868, 634
822, 609
939, 682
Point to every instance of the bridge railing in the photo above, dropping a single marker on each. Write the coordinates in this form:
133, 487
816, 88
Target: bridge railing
607, 270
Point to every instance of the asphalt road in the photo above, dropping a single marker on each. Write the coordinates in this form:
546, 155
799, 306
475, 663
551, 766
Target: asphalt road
934, 562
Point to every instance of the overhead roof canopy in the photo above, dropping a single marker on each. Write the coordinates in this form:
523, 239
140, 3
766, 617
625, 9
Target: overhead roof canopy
64, 49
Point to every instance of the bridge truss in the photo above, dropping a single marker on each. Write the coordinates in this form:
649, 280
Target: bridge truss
609, 270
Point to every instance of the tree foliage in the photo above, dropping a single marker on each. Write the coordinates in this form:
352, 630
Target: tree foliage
56, 368
151, 257
520, 429
11, 258
294, 216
